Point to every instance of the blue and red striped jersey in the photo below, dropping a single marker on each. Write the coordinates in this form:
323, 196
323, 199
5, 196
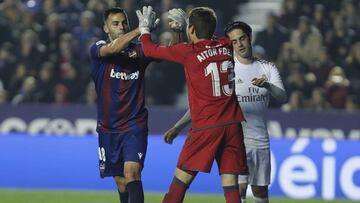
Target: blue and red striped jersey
119, 81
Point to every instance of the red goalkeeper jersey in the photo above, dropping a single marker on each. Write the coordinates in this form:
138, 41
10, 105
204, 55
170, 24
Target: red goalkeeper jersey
209, 75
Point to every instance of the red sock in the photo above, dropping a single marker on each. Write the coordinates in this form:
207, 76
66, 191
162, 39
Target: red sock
176, 192
232, 194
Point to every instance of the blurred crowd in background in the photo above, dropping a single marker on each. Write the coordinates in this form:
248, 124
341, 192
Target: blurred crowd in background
44, 51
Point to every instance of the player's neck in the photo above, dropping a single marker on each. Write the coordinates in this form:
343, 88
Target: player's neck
242, 60
196, 40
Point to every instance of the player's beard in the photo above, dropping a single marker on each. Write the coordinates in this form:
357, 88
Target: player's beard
117, 34
246, 53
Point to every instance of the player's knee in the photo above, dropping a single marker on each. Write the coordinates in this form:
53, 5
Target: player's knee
229, 179
120, 182
185, 176
131, 175
260, 191
132, 171
242, 189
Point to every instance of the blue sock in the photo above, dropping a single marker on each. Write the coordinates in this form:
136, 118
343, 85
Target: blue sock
124, 197
136, 193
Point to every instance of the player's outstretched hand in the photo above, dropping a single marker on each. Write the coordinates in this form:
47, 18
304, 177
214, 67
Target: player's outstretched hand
147, 19
171, 134
260, 82
177, 19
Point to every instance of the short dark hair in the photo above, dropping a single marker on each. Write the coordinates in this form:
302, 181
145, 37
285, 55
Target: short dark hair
238, 25
204, 21
113, 10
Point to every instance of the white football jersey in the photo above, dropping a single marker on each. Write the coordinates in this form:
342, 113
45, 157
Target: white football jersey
254, 100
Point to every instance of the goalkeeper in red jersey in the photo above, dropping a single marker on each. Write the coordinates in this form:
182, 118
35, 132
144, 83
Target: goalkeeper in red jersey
216, 132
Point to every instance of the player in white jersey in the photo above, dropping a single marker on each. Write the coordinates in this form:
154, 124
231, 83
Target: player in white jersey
255, 81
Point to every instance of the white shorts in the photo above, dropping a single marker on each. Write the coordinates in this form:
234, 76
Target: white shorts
258, 161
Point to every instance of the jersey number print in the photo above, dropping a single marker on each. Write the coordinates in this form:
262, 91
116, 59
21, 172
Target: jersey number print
213, 70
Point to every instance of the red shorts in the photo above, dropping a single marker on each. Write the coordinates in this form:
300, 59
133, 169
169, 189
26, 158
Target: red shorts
224, 143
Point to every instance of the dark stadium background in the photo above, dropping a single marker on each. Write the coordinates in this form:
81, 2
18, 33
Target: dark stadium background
46, 92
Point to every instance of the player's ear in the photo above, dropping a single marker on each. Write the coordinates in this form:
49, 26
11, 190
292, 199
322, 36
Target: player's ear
191, 29
105, 28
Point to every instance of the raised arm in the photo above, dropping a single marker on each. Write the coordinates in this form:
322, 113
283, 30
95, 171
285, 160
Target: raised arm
147, 19
120, 43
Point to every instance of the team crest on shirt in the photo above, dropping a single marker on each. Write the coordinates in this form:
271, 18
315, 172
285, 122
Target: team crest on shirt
132, 54
264, 76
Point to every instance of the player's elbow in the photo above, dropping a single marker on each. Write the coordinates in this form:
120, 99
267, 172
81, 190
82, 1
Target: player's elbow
147, 52
282, 98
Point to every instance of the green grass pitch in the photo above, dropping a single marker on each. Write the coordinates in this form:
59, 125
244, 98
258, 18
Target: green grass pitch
51, 196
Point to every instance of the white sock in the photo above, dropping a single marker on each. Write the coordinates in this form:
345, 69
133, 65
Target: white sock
261, 200
243, 199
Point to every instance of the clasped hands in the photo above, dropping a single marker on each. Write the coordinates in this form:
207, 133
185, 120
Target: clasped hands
148, 20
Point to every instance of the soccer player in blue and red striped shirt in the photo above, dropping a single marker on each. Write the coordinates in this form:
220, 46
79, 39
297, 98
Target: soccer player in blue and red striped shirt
117, 68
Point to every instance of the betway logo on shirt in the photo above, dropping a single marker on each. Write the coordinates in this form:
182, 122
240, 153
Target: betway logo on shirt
124, 76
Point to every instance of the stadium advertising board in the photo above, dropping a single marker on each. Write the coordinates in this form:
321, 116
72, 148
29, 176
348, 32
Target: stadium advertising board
80, 120
301, 168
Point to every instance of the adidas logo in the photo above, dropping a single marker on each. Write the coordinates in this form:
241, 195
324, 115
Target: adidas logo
140, 155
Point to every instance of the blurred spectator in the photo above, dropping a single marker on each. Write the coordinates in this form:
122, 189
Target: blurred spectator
339, 40
321, 21
337, 88
317, 101
322, 67
69, 50
98, 7
12, 13
48, 8
90, 94
85, 32
290, 13
49, 41
164, 81
29, 21
70, 12
69, 78
285, 59
3, 94
351, 104
298, 81
7, 63
26, 93
351, 13
60, 94
17, 79
31, 51
130, 7
50, 35
306, 41
45, 83
259, 51
296, 102
352, 68
272, 37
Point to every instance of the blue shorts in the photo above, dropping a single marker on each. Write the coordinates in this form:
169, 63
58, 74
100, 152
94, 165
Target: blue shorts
117, 148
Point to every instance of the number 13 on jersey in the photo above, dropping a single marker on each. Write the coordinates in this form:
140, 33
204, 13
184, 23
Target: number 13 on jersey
213, 70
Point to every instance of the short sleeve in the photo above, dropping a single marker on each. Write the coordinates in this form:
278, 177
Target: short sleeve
95, 49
